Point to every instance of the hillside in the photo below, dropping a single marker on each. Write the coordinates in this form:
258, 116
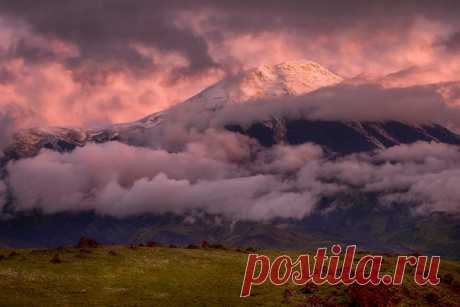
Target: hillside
163, 276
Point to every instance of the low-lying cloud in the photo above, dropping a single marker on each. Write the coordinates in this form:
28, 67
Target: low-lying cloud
8, 124
238, 181
120, 180
3, 191
349, 102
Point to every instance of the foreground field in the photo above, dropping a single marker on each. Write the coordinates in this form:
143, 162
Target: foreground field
162, 276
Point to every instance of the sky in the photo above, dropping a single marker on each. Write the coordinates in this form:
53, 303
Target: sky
79, 63
91, 63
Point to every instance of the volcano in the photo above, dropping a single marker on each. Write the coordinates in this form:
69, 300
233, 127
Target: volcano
256, 105
279, 81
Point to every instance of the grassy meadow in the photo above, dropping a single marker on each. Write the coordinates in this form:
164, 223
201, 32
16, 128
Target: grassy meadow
163, 276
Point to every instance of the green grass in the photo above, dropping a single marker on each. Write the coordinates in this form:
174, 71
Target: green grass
160, 277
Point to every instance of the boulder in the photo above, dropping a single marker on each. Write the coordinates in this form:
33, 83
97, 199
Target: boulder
86, 242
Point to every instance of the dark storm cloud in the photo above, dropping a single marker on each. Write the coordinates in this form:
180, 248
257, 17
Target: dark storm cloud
6, 129
452, 43
30, 52
6, 76
105, 30
313, 18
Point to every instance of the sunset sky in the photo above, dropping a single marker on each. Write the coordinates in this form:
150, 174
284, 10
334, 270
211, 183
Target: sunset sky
94, 63
74, 63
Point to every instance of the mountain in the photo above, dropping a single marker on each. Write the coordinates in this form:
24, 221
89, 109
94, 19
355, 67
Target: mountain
267, 81
392, 229
286, 79
351, 217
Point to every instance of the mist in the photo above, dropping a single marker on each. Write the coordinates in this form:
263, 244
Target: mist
240, 181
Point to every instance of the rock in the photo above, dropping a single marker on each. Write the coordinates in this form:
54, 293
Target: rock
408, 293
287, 294
217, 246
309, 288
432, 298
13, 254
372, 296
39, 251
204, 244
331, 301
86, 242
56, 259
456, 284
315, 301
448, 278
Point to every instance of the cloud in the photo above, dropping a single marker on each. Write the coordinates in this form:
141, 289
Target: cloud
93, 64
350, 39
423, 174
229, 175
10, 118
452, 43
120, 180
39, 75
255, 198
353, 102
3, 191
49, 95
106, 34
5, 129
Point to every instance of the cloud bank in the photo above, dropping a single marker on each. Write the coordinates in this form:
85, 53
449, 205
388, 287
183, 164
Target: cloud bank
421, 104
240, 181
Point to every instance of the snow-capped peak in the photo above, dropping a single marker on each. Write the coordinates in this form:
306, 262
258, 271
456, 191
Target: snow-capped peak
284, 79
289, 78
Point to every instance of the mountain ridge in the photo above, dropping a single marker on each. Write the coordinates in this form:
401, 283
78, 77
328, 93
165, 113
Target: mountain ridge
348, 217
267, 81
